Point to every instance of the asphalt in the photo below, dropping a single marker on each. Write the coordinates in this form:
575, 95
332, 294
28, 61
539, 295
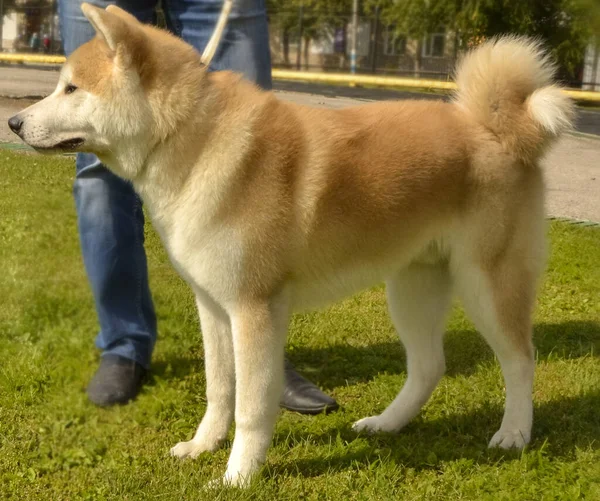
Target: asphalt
572, 168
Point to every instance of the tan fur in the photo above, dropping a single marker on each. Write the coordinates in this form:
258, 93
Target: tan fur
267, 208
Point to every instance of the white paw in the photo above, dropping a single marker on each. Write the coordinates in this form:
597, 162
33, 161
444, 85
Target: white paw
373, 424
191, 449
229, 480
510, 439
236, 479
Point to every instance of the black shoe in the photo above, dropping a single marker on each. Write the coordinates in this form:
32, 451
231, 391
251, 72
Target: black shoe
117, 381
300, 395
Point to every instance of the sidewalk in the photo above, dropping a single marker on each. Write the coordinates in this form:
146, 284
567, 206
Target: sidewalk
572, 168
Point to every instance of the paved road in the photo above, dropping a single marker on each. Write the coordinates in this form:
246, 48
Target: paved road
572, 168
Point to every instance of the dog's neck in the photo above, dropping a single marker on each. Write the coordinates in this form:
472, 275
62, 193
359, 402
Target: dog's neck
208, 146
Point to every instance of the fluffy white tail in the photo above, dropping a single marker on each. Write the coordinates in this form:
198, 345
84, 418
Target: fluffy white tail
506, 84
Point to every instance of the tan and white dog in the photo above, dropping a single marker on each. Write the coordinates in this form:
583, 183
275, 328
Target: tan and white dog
267, 208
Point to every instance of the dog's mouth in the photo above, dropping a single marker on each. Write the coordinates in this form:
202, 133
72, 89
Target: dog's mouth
70, 144
66, 145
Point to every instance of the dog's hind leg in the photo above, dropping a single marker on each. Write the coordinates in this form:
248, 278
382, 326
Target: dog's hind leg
418, 299
220, 383
499, 300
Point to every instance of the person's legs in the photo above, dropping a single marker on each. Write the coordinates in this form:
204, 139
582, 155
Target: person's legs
111, 230
245, 44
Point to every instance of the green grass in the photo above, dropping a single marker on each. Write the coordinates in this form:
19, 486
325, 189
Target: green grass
54, 445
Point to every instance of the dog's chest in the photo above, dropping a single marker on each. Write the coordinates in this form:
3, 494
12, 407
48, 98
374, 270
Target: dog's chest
206, 257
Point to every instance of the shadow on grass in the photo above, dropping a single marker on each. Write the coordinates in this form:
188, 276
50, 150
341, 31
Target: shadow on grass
465, 350
174, 369
560, 427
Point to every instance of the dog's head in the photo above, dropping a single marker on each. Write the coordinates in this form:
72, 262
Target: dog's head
117, 95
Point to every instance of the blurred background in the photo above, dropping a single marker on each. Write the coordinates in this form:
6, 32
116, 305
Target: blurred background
416, 38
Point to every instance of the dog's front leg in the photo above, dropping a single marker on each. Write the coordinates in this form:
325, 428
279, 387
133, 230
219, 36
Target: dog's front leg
220, 382
259, 331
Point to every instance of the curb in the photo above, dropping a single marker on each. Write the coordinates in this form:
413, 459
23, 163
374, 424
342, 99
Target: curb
31, 58
21, 147
366, 80
584, 223
26, 96
584, 135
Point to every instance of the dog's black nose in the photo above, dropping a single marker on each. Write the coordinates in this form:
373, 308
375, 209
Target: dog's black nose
15, 123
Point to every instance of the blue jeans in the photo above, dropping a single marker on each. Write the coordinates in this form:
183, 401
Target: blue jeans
110, 217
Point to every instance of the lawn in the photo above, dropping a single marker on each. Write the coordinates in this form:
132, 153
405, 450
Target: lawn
55, 445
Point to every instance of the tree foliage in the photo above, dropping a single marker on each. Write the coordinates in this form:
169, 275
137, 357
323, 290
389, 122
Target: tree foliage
564, 26
318, 18
317, 15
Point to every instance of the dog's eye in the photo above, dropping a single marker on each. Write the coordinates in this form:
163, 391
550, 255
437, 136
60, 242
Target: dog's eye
69, 89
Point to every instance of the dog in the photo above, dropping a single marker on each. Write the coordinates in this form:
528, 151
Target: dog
267, 208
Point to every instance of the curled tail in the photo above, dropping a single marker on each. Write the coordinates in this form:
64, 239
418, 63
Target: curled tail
506, 85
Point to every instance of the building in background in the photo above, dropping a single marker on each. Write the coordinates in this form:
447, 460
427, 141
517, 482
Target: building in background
9, 30
591, 67
380, 49
30, 26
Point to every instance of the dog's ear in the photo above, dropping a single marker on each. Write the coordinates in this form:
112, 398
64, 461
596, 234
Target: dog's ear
126, 16
120, 31
111, 28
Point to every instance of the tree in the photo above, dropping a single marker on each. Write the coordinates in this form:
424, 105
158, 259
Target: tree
318, 17
282, 18
565, 26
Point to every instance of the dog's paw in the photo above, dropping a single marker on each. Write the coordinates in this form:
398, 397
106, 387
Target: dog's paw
369, 425
237, 479
191, 449
509, 439
228, 481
